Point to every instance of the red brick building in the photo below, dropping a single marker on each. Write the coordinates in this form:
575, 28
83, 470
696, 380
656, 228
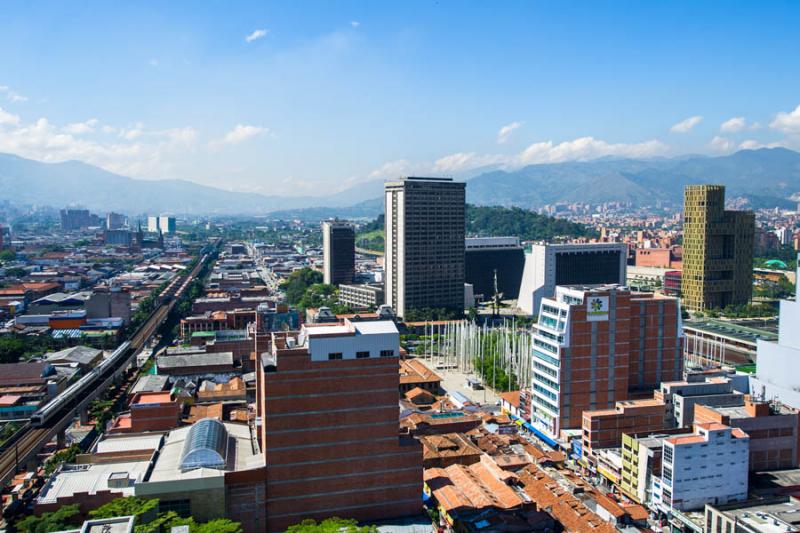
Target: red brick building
328, 402
595, 345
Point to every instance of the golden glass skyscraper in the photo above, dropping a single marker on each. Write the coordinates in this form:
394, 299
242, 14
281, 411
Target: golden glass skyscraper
717, 250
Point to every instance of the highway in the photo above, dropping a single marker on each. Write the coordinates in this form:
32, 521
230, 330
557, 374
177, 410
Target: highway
26, 443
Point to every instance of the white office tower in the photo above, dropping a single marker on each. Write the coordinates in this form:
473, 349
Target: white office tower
777, 363
549, 265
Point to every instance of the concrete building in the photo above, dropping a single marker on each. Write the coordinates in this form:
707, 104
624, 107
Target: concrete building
641, 462
163, 223
754, 516
593, 345
487, 257
118, 237
339, 252
361, 296
549, 265
771, 380
710, 466
424, 242
681, 397
773, 430
115, 221
604, 428
167, 224
717, 250
74, 219
200, 469
328, 403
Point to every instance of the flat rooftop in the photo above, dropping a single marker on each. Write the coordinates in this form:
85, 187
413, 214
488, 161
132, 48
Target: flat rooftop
242, 454
91, 478
126, 443
731, 330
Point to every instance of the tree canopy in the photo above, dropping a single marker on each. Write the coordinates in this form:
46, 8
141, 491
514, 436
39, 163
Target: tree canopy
66, 517
331, 525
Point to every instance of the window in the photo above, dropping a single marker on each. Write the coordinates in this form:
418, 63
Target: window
362, 355
182, 508
334, 356
667, 454
387, 353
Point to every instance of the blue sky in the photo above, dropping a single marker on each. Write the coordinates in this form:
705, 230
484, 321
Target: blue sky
328, 94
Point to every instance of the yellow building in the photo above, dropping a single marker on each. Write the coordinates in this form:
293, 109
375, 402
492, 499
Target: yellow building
717, 250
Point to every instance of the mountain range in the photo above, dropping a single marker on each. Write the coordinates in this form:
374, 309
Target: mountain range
765, 177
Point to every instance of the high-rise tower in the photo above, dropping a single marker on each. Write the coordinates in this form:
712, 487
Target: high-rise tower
339, 248
717, 250
424, 244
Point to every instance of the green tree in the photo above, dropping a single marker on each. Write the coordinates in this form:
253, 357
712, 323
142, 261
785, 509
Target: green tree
128, 506
66, 517
298, 282
7, 255
331, 525
67, 455
220, 525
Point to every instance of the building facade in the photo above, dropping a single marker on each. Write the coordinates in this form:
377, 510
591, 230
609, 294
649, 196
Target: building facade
489, 257
717, 250
361, 296
339, 252
328, 402
424, 243
709, 466
550, 265
592, 345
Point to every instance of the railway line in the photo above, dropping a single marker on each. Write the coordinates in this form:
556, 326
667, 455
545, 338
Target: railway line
59, 412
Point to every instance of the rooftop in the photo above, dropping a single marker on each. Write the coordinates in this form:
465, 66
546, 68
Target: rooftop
242, 454
92, 478
127, 443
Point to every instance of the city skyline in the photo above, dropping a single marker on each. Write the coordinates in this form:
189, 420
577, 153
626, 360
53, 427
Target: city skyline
286, 100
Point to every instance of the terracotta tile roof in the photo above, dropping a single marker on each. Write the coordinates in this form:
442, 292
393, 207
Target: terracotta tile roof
511, 397
447, 445
420, 396
636, 512
469, 488
551, 496
199, 412
415, 371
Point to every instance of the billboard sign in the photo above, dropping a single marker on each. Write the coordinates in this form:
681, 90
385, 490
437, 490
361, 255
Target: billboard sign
597, 308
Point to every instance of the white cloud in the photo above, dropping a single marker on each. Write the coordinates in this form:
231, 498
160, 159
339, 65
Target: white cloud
506, 131
721, 144
751, 144
392, 169
7, 118
787, 122
585, 148
78, 128
45, 141
685, 125
256, 35
12, 95
581, 149
239, 134
461, 161
355, 23
733, 125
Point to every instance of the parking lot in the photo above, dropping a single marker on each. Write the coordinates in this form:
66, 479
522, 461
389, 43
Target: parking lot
456, 381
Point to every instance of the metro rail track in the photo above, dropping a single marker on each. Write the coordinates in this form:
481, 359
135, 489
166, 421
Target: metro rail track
61, 410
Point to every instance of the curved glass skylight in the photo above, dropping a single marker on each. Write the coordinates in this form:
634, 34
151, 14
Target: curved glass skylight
206, 445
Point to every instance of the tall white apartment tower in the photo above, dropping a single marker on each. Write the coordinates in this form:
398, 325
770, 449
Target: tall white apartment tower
424, 244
